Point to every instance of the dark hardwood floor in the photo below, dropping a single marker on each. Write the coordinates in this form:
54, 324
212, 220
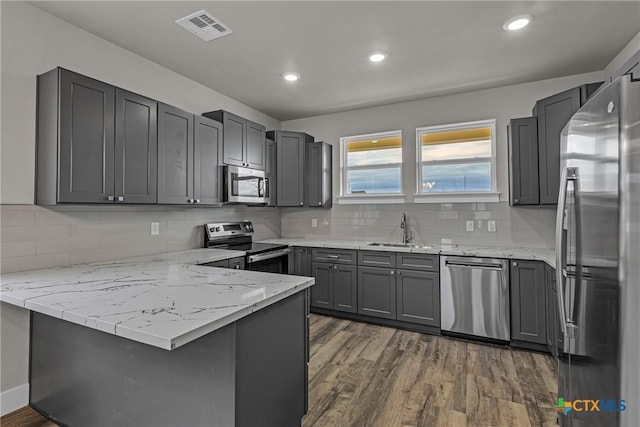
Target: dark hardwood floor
367, 375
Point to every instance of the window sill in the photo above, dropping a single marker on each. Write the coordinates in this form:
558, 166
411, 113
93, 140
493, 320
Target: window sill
371, 199
456, 197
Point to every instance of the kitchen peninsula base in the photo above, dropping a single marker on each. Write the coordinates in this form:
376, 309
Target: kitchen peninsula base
250, 372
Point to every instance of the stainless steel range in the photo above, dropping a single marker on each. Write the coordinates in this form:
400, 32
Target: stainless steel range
269, 257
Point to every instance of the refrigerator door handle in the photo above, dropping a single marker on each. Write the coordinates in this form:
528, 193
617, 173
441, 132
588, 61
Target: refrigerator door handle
567, 175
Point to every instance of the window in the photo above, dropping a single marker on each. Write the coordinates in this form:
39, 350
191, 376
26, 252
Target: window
372, 166
457, 160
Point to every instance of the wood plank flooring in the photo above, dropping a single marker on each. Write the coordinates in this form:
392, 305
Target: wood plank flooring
367, 375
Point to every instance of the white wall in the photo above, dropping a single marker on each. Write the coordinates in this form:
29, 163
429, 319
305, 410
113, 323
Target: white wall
503, 104
34, 42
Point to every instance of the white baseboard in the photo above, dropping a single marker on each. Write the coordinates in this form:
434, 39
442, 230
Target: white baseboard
14, 398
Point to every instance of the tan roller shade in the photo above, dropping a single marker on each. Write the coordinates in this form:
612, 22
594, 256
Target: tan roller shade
369, 144
464, 135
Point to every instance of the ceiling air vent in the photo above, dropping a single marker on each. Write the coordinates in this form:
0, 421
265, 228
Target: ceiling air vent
204, 25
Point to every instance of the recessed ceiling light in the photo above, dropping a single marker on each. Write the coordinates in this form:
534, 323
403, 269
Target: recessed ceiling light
377, 56
291, 77
518, 22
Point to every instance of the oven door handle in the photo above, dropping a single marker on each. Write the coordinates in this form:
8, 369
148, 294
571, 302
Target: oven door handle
268, 255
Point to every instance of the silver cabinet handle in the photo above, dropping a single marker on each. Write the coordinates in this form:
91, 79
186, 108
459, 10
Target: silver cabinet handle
333, 256
301, 203
319, 203
110, 198
393, 272
121, 198
190, 201
516, 200
515, 264
335, 267
197, 200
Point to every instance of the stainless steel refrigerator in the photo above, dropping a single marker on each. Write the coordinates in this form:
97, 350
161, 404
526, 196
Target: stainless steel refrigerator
598, 259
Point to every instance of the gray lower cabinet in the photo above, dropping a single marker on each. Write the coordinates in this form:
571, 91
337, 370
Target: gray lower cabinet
524, 188
95, 143
189, 152
553, 320
377, 292
301, 261
418, 297
528, 302
290, 165
335, 287
237, 263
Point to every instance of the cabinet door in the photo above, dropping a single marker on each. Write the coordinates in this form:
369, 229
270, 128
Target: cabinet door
270, 169
290, 166
207, 170
345, 290
318, 174
302, 266
528, 302
523, 161
418, 296
136, 148
86, 140
377, 292
237, 263
235, 131
553, 114
175, 155
255, 146
552, 310
322, 291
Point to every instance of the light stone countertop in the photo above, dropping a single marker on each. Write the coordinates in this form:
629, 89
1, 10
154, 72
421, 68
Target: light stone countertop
164, 300
507, 252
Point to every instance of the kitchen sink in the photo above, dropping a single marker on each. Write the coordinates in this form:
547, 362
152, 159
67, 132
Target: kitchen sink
401, 245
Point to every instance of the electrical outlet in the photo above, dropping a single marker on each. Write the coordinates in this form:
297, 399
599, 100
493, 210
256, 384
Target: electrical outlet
469, 225
491, 226
155, 228
314, 222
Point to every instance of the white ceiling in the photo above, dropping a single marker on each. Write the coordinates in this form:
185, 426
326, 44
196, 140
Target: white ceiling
434, 48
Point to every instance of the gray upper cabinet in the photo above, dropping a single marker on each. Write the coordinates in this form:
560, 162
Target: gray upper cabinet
175, 155
377, 292
632, 67
553, 113
136, 148
318, 173
95, 143
523, 161
243, 140
207, 152
528, 302
271, 173
290, 166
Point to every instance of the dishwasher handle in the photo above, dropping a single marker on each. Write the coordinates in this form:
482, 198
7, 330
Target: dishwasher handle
496, 267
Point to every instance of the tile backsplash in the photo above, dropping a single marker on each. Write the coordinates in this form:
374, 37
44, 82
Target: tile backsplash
34, 237
429, 223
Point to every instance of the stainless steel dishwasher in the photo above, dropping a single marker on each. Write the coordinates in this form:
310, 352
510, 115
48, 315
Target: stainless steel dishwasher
474, 296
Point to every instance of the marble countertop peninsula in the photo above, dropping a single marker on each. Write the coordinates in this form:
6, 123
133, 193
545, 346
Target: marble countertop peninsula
507, 252
164, 300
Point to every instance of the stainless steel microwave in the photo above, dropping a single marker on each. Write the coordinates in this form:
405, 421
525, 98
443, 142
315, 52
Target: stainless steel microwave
243, 185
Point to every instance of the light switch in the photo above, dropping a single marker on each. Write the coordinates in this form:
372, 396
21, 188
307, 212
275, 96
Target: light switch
314, 222
491, 226
155, 228
469, 225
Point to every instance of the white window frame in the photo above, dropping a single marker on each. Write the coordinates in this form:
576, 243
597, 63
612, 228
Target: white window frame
377, 198
457, 196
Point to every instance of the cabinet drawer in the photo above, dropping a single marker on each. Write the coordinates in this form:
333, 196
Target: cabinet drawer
336, 256
411, 261
377, 258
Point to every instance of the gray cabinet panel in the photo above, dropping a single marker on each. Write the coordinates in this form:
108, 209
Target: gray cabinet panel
219, 264
237, 263
377, 292
319, 175
552, 310
207, 152
290, 164
376, 259
234, 134
255, 146
136, 148
528, 302
411, 261
336, 256
418, 297
175, 155
553, 114
345, 288
271, 173
302, 261
86, 139
523, 161
322, 291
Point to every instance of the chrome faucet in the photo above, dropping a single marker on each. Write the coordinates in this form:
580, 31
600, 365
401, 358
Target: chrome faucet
406, 234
